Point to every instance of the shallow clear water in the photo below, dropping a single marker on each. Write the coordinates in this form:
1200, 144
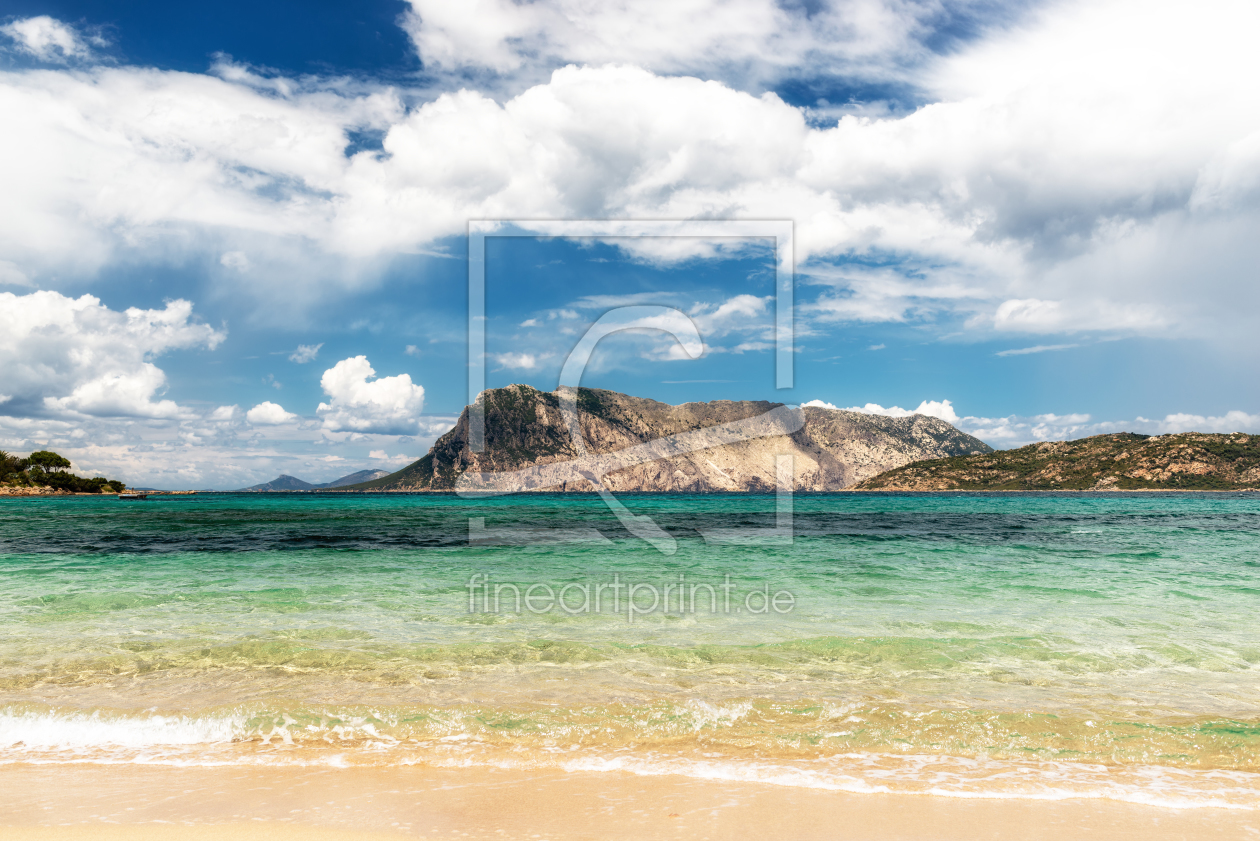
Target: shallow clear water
975, 645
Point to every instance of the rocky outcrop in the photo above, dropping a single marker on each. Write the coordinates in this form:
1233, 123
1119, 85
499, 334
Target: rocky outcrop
27, 490
632, 444
1125, 461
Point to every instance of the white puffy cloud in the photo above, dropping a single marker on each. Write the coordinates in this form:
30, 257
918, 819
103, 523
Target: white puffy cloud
381, 455
118, 394
359, 403
942, 409
1016, 431
1233, 421
48, 39
738, 39
64, 356
121, 163
516, 361
1065, 176
269, 414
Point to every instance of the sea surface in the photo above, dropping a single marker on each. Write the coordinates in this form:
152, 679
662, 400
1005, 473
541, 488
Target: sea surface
987, 645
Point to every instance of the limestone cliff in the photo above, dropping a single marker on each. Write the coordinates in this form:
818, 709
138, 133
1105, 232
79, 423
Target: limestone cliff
1125, 461
632, 444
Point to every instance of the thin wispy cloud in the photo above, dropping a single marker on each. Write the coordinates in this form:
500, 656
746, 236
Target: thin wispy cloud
1034, 349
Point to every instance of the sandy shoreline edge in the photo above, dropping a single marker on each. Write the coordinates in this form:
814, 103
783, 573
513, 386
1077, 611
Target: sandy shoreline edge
55, 803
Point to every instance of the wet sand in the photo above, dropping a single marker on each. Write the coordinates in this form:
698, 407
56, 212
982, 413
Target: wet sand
104, 803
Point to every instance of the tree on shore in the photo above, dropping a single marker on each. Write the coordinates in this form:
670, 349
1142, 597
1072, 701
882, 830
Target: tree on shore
47, 460
48, 469
10, 466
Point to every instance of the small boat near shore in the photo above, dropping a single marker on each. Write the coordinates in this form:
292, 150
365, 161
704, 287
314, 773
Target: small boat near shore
132, 495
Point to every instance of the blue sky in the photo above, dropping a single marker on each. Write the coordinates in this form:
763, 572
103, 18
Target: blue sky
1019, 217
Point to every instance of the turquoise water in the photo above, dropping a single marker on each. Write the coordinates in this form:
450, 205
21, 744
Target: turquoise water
976, 645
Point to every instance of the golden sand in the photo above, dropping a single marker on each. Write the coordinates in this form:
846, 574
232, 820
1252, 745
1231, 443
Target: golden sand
103, 803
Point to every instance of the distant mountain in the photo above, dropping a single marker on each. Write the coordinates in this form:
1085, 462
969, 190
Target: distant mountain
633, 444
286, 482
1118, 462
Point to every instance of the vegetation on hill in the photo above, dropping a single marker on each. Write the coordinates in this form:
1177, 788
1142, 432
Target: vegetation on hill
1124, 461
46, 469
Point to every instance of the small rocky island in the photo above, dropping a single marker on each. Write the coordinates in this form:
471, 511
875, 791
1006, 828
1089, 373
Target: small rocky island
1124, 461
634, 444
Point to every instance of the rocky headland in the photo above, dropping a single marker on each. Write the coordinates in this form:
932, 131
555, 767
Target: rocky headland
1123, 461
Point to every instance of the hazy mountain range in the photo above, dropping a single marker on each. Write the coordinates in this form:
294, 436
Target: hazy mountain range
286, 482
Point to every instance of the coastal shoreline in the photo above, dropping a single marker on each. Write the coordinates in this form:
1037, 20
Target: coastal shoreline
52, 803
717, 493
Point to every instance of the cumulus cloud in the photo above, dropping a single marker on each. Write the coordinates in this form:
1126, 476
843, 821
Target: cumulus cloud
516, 361
1233, 421
269, 414
751, 40
381, 455
942, 409
50, 40
1033, 194
1016, 431
359, 403
305, 353
63, 356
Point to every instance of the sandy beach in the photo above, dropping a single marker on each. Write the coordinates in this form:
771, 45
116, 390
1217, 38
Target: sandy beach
208, 804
